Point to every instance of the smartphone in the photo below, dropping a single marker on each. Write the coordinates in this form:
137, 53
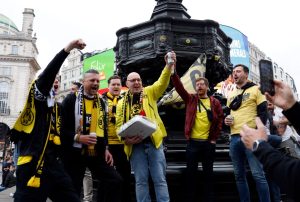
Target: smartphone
266, 77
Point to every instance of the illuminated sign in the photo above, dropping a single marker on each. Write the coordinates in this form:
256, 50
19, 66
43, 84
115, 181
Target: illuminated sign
102, 62
239, 48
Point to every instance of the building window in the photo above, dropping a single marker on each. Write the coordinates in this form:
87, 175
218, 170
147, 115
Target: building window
4, 106
14, 50
5, 71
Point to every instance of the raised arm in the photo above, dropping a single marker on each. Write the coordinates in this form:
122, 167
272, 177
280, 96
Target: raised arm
46, 78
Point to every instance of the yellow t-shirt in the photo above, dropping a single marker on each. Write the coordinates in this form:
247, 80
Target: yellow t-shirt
111, 127
201, 126
247, 112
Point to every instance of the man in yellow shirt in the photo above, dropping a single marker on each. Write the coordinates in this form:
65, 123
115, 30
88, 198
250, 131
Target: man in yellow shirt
246, 102
116, 146
146, 156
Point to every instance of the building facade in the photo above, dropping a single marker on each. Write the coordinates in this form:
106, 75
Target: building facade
18, 65
255, 56
70, 72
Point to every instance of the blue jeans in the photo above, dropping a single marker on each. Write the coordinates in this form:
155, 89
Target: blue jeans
146, 158
239, 154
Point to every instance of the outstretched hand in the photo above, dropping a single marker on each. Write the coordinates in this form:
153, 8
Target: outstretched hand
249, 135
283, 96
78, 43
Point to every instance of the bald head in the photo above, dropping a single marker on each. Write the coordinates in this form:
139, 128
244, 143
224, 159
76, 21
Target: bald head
134, 82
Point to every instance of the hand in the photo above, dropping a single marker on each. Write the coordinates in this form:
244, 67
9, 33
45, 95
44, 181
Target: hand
249, 135
78, 43
133, 139
109, 158
213, 142
88, 139
171, 66
283, 97
228, 121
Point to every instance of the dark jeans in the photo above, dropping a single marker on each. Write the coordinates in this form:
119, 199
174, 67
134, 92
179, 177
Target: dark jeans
203, 151
122, 165
55, 184
75, 165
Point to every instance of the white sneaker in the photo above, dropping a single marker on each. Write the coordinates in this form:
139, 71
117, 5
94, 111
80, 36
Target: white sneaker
11, 194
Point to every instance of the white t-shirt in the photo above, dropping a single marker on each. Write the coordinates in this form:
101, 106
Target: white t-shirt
289, 131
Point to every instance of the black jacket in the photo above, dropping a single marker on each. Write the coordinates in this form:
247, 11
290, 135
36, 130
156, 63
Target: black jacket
68, 127
284, 170
292, 115
33, 143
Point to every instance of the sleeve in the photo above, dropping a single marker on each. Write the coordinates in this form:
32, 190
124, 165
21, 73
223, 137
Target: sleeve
219, 122
284, 170
159, 87
260, 97
68, 120
180, 88
262, 112
46, 78
292, 115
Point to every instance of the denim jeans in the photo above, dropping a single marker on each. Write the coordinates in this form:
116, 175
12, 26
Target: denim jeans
146, 158
239, 154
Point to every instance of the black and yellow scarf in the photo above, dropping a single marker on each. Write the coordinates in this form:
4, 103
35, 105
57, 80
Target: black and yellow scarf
25, 124
97, 124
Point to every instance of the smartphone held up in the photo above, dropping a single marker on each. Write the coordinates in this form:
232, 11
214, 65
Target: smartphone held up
266, 77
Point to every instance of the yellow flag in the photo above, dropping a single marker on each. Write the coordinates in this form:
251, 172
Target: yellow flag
197, 69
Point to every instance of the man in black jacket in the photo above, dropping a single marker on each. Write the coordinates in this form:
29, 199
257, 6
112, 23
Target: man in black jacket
84, 139
284, 170
40, 173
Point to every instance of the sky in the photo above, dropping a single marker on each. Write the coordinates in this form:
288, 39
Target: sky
273, 26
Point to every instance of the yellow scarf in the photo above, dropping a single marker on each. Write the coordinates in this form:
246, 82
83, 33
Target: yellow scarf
26, 120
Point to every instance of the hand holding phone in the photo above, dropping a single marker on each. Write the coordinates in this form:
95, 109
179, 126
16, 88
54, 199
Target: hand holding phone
266, 77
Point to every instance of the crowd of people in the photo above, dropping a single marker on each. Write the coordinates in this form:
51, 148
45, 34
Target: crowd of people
63, 147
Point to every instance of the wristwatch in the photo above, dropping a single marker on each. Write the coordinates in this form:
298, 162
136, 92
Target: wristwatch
256, 144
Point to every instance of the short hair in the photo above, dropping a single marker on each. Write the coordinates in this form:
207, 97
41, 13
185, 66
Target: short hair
92, 71
245, 68
78, 84
113, 77
202, 79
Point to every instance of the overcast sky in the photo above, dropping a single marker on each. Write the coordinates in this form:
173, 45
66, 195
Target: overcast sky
273, 26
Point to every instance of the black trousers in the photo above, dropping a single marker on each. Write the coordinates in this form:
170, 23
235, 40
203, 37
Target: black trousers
75, 165
122, 166
196, 151
55, 183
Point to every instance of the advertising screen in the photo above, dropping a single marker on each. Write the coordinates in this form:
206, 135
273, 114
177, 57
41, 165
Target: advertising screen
239, 48
104, 63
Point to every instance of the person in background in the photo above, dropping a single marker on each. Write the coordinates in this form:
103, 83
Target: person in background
116, 146
75, 86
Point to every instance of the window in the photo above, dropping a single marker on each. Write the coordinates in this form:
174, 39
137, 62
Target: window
14, 50
5, 71
4, 107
